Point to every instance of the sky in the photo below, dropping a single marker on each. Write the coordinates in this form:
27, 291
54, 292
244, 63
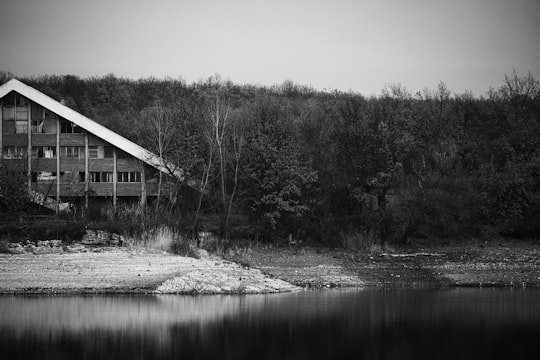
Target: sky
346, 45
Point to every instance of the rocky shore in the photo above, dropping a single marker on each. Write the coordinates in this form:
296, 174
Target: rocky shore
48, 267
422, 263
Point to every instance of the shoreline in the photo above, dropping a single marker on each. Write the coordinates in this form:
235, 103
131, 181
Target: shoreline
260, 270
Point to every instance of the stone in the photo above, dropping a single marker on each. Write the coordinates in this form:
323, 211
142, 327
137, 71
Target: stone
15, 248
202, 254
100, 237
55, 243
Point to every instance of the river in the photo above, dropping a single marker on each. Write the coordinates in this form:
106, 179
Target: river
333, 324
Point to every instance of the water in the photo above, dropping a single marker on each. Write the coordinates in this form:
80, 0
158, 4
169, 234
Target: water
351, 324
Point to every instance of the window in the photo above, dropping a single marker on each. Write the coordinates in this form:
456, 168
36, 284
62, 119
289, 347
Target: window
43, 121
82, 177
96, 152
43, 176
131, 176
101, 177
21, 126
44, 152
100, 152
13, 152
67, 127
37, 126
15, 113
72, 152
108, 152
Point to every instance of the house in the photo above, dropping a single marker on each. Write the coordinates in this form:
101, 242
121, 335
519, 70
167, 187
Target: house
69, 157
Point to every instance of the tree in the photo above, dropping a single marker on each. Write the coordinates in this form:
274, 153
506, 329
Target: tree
378, 142
276, 179
14, 196
159, 128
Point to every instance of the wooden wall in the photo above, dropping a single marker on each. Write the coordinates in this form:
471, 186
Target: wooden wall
72, 187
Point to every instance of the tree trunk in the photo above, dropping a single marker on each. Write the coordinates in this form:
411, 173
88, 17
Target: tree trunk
381, 224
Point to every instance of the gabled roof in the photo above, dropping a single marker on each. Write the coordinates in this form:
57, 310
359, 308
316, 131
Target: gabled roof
89, 125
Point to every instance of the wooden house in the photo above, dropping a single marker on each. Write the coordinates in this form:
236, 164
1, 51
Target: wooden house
67, 156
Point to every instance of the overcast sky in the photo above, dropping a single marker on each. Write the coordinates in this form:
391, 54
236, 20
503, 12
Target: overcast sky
356, 45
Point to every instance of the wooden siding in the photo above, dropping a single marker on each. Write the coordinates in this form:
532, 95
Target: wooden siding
15, 140
128, 189
128, 165
71, 164
101, 164
43, 139
48, 188
44, 165
101, 189
74, 188
71, 139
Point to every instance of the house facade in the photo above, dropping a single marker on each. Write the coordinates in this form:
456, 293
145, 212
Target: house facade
65, 155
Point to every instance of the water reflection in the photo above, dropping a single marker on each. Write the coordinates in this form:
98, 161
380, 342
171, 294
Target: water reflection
387, 324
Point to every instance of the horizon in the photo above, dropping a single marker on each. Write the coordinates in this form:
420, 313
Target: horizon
275, 86
343, 45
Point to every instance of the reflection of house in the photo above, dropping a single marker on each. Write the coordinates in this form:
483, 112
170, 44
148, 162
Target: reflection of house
67, 155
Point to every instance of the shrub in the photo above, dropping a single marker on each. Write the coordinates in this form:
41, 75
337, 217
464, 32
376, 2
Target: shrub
67, 231
3, 246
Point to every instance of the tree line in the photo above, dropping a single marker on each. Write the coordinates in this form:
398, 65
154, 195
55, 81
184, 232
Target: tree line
292, 162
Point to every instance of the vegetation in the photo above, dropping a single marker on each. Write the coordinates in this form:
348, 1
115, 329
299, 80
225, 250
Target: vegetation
290, 162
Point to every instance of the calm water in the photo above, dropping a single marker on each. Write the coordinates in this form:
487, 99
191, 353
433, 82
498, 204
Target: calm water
368, 324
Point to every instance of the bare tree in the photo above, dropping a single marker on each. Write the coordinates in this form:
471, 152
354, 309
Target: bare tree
160, 130
224, 138
218, 117
237, 143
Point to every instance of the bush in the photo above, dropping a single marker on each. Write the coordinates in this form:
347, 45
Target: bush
67, 231
3, 246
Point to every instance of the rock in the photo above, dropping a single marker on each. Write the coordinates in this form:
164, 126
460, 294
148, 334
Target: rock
15, 248
202, 254
230, 280
55, 243
42, 243
100, 237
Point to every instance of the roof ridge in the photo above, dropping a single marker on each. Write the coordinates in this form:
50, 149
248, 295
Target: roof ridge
91, 126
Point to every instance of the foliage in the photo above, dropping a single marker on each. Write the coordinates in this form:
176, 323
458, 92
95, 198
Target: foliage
67, 231
13, 190
276, 183
325, 166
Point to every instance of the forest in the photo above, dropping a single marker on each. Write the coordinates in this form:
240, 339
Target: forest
290, 162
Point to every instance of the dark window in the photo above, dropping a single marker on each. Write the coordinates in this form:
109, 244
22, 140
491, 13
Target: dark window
46, 152
72, 152
131, 176
67, 127
101, 176
108, 152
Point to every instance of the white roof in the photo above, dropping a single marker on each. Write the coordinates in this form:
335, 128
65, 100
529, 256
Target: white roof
89, 125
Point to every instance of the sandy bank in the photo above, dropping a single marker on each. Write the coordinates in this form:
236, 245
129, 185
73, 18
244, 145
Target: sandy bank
508, 263
124, 270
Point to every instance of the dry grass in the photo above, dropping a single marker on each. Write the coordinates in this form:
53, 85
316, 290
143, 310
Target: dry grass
164, 238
